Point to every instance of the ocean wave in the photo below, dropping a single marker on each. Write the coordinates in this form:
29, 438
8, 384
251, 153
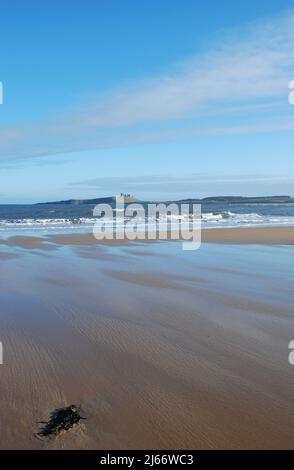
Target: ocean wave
61, 221
231, 219
208, 219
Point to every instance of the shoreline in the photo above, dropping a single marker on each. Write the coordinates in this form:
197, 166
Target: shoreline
248, 235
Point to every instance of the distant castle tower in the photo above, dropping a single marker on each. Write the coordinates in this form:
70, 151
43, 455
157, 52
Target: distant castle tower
125, 198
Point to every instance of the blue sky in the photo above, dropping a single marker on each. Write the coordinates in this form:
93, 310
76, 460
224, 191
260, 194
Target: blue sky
160, 98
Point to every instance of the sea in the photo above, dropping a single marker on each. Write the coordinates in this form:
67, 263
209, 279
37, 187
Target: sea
73, 218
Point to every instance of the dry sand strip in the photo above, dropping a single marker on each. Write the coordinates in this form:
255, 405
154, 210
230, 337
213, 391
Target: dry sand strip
258, 235
248, 235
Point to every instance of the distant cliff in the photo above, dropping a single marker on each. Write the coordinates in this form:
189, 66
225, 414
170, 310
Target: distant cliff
207, 200
242, 200
76, 202
101, 200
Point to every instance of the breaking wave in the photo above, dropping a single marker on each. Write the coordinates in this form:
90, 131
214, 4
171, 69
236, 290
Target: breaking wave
208, 220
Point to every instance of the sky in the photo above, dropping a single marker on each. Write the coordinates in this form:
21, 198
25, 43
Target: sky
159, 98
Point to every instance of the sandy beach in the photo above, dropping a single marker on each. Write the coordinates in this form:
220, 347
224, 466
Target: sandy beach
250, 235
161, 348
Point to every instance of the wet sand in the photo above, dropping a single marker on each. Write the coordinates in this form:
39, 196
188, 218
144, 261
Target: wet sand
250, 235
162, 348
254, 235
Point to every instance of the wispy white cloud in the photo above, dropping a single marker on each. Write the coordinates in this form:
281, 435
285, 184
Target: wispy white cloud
194, 178
227, 89
195, 185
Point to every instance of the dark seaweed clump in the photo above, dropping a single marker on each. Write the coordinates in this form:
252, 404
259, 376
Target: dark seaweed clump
61, 419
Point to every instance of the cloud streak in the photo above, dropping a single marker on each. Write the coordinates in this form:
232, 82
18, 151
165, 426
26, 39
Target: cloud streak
226, 90
173, 186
